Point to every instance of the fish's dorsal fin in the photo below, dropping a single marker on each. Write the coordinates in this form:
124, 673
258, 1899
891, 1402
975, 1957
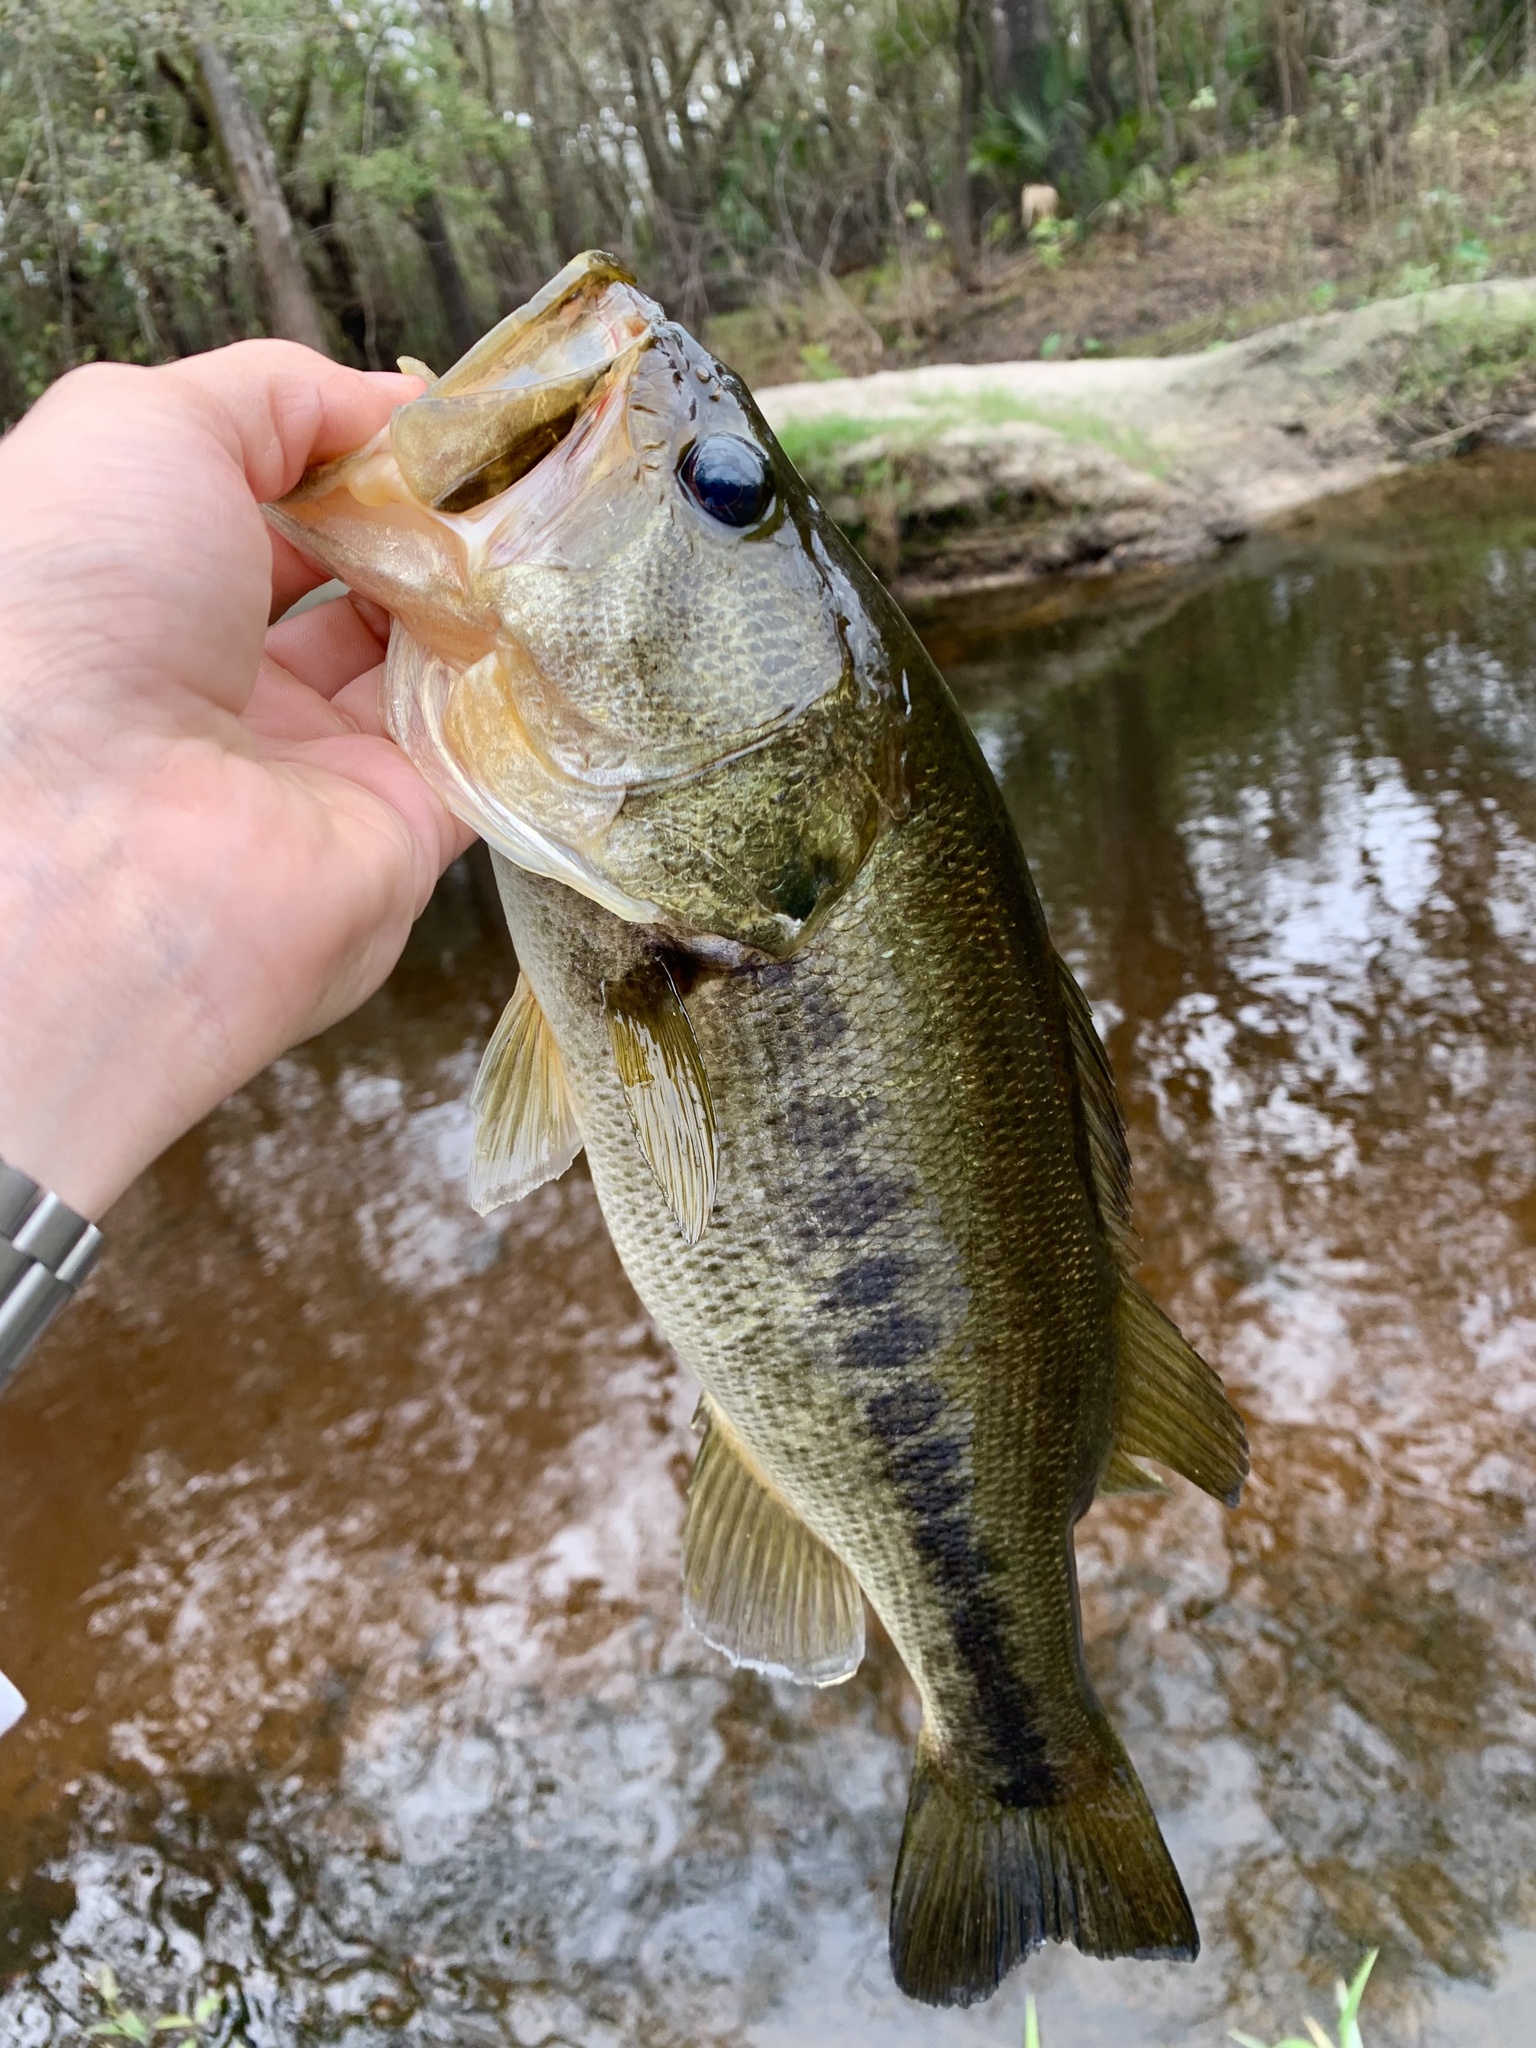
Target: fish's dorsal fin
756, 1583
666, 1091
1170, 1404
1125, 1474
525, 1129
1109, 1155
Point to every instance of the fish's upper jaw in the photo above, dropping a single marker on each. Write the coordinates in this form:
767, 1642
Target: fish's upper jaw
523, 382
593, 290
404, 519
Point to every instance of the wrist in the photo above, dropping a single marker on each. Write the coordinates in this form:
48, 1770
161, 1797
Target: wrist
46, 1250
88, 1000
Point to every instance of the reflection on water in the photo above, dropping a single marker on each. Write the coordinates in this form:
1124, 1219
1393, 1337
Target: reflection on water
340, 1533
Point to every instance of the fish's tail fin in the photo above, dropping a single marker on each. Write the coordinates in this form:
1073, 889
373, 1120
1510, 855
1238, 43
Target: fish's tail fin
979, 1884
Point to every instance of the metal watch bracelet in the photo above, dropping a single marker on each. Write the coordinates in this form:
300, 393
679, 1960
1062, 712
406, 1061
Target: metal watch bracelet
46, 1250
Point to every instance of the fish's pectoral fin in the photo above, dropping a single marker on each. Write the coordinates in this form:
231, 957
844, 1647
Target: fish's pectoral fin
1171, 1406
1124, 1474
666, 1091
525, 1128
981, 1881
757, 1583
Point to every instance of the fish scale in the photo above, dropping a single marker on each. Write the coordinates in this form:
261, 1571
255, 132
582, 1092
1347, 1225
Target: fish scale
785, 976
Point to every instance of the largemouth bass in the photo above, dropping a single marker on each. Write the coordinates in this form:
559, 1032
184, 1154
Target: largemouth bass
785, 976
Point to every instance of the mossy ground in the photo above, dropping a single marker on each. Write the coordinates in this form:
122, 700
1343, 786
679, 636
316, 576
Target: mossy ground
821, 447
1447, 384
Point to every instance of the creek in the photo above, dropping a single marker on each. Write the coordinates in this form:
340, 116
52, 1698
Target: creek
339, 1544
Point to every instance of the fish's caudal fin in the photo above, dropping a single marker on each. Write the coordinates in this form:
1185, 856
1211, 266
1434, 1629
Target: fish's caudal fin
979, 1884
1171, 1405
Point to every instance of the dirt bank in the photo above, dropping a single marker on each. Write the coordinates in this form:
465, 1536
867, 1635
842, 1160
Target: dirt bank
964, 477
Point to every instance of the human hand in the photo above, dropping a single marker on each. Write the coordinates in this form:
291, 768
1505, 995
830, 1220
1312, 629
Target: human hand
209, 849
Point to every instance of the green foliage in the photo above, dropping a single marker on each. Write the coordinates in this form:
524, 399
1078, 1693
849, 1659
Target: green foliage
1452, 375
1117, 173
1348, 1998
1014, 141
438, 158
1052, 239
1023, 141
176, 2029
819, 363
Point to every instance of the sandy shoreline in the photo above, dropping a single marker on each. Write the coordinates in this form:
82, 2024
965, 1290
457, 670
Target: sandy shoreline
956, 478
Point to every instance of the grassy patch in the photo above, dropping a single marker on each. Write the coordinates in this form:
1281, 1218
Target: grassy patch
820, 447
824, 443
1456, 375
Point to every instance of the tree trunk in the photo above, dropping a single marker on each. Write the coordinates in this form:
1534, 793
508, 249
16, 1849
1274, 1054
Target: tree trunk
291, 302
464, 326
962, 209
1148, 92
534, 67
1283, 59
1027, 36
1103, 105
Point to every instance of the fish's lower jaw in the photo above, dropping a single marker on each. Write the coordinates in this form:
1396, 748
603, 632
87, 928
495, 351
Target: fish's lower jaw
979, 1884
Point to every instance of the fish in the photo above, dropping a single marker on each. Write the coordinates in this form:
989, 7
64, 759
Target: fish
785, 977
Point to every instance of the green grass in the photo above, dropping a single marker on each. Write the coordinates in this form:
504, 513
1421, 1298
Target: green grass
824, 444
1458, 371
122, 2023
183, 2030
821, 443
1347, 1997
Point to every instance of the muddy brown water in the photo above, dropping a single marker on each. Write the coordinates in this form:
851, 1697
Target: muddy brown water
339, 1528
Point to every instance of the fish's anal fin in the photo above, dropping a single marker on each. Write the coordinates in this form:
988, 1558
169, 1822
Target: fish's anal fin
1109, 1155
981, 1883
756, 1583
1123, 1474
1170, 1405
666, 1091
525, 1130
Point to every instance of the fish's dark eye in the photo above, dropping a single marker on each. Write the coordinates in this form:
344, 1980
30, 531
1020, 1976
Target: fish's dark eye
728, 478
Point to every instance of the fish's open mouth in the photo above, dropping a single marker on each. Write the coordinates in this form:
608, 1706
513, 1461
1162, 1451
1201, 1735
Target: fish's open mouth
477, 431
518, 393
